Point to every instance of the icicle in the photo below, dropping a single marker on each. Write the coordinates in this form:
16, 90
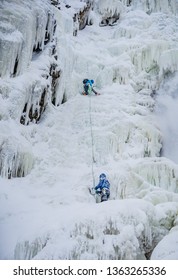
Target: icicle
28, 250
110, 11
25, 31
152, 6
15, 159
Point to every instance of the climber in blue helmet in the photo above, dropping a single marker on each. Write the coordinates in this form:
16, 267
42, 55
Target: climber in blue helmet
88, 87
103, 183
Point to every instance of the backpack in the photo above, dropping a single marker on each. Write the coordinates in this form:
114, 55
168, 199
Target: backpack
106, 184
85, 81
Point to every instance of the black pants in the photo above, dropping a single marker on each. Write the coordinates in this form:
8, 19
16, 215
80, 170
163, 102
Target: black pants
86, 87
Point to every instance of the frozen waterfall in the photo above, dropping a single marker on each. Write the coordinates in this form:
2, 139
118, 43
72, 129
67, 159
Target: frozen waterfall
54, 142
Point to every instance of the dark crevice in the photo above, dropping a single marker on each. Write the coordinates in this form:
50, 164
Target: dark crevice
15, 67
55, 74
64, 99
110, 20
34, 114
54, 28
47, 34
129, 2
22, 119
47, 38
37, 48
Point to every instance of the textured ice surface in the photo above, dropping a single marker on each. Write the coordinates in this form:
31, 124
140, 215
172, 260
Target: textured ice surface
49, 214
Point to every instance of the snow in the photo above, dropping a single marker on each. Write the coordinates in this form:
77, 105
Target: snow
167, 248
46, 167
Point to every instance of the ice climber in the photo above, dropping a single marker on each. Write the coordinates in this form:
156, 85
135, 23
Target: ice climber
103, 183
88, 87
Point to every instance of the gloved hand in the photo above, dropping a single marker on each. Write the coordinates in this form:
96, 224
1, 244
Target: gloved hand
93, 191
98, 190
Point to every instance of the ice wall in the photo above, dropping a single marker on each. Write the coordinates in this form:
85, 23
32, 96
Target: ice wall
152, 6
159, 173
25, 29
166, 113
28, 54
34, 62
16, 158
127, 140
112, 10
80, 12
155, 52
28, 77
149, 6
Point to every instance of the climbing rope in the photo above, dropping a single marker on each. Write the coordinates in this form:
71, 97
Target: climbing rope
92, 138
92, 143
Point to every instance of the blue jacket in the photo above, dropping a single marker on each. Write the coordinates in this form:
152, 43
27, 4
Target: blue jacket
103, 184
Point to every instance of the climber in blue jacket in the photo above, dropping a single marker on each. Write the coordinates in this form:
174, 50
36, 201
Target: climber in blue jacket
103, 183
88, 87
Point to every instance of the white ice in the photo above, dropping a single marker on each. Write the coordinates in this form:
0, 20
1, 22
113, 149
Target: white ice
49, 213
